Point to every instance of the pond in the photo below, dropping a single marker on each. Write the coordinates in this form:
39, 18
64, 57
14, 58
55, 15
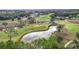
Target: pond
40, 34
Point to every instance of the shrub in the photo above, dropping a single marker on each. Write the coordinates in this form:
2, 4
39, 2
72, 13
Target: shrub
77, 35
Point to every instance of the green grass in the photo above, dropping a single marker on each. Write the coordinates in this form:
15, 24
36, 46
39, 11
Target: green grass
21, 31
50, 43
26, 29
71, 27
44, 18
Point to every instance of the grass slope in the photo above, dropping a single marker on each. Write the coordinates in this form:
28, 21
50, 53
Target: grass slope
71, 27
26, 29
21, 31
44, 18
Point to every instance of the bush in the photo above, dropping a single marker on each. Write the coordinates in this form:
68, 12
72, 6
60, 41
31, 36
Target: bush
77, 35
50, 43
10, 44
60, 27
2, 45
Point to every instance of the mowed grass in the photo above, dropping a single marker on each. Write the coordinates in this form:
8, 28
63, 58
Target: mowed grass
20, 32
71, 27
44, 18
26, 29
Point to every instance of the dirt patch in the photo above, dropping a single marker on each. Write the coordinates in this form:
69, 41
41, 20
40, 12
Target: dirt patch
74, 21
65, 35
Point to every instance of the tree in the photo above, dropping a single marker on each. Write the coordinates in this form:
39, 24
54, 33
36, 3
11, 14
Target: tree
52, 17
10, 32
30, 19
12, 19
5, 24
35, 19
19, 18
60, 27
21, 23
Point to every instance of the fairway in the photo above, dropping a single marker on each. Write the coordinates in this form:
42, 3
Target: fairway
44, 18
22, 31
72, 28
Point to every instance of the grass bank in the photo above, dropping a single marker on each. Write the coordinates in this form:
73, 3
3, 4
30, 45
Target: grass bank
72, 28
21, 31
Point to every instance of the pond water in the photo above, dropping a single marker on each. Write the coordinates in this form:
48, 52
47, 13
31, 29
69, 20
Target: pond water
40, 34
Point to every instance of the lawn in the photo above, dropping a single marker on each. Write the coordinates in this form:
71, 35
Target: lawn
44, 18
26, 29
71, 27
22, 31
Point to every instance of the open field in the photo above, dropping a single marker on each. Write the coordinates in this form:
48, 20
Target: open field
72, 28
43, 18
26, 29
22, 31
39, 30
72, 21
